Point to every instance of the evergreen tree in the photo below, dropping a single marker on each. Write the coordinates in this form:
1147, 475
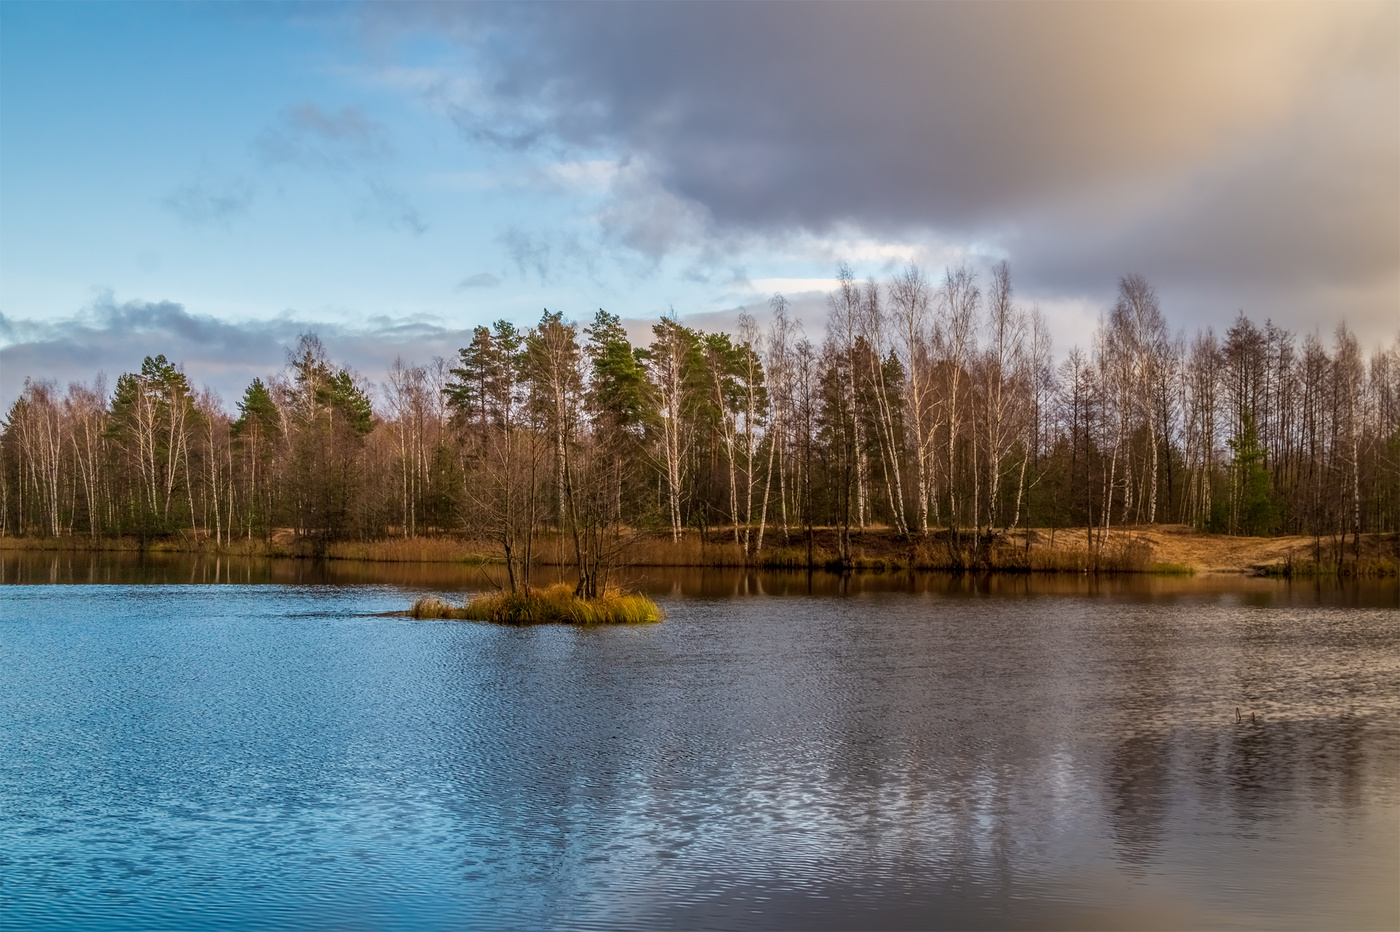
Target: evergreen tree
257, 411
256, 433
1256, 513
152, 412
617, 396
350, 400
469, 391
618, 403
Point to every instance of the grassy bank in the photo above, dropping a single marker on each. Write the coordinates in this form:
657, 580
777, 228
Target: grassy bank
284, 545
1372, 568
554, 605
1157, 549
1163, 549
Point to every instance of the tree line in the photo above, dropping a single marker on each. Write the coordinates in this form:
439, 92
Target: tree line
931, 407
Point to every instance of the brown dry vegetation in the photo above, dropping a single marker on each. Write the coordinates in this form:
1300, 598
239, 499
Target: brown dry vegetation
1179, 548
1149, 548
553, 605
283, 544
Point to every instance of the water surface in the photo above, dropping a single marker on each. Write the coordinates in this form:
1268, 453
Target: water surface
882, 752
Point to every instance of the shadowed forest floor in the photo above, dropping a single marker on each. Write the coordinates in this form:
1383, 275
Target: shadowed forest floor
1149, 548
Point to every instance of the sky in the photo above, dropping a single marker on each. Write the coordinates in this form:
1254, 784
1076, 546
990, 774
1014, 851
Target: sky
209, 181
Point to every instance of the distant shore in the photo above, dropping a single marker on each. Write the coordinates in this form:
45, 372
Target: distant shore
1144, 549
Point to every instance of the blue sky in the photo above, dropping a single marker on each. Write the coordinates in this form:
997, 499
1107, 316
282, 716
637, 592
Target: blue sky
245, 166
250, 165
208, 180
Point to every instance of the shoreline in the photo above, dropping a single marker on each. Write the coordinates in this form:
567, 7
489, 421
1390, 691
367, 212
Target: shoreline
1151, 549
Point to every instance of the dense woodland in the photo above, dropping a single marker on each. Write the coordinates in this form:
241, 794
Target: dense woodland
931, 407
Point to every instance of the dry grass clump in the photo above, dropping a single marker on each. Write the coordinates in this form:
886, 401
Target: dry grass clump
433, 607
690, 550
1113, 556
554, 605
410, 550
1366, 568
1066, 560
791, 558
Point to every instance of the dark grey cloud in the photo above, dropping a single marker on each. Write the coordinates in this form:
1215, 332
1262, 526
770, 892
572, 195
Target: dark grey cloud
770, 114
206, 203
1247, 152
1276, 230
111, 338
479, 280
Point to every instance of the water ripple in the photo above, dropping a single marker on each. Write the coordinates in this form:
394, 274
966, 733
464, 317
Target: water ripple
249, 756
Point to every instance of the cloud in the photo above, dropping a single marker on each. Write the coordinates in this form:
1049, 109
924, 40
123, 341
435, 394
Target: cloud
833, 112
479, 280
1273, 228
528, 253
806, 312
644, 216
1246, 152
111, 337
583, 175
793, 286
206, 203
548, 254
310, 137
392, 209
342, 141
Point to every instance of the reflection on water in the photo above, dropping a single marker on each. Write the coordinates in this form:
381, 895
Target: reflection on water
934, 752
110, 568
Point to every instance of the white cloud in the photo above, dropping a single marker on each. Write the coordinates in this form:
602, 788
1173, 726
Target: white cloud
643, 215
790, 286
588, 176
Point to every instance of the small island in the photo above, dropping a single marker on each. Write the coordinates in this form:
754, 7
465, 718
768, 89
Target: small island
558, 604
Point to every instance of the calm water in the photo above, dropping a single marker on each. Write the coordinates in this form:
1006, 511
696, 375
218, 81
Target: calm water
877, 752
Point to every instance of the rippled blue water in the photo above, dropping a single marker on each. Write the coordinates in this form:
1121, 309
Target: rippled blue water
276, 756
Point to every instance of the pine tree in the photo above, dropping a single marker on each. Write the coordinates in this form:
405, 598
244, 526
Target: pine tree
1255, 510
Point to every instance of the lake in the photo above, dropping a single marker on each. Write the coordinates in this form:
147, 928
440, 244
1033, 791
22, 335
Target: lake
250, 744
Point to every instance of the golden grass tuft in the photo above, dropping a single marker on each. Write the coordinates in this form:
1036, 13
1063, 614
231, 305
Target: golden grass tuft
556, 605
432, 607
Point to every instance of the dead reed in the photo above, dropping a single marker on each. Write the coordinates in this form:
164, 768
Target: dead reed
1366, 568
412, 550
554, 605
433, 607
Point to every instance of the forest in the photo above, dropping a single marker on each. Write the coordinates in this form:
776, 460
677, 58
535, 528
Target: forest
931, 407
